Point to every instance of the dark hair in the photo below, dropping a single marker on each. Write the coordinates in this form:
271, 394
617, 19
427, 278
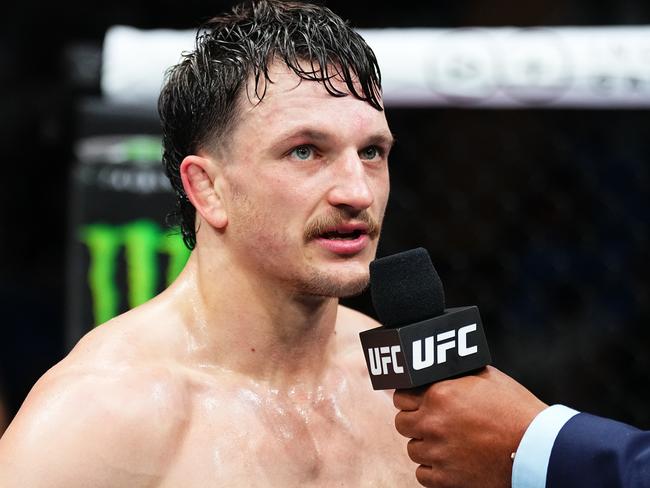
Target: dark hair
198, 101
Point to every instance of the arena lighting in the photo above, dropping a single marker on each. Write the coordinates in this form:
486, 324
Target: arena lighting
582, 67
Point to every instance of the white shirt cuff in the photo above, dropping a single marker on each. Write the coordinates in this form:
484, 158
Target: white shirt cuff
531, 461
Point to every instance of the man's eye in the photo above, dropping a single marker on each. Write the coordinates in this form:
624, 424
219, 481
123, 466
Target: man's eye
371, 152
303, 153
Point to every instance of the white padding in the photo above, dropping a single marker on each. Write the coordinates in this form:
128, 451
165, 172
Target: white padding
593, 67
134, 61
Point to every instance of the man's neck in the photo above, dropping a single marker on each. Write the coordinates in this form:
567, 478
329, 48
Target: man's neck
255, 329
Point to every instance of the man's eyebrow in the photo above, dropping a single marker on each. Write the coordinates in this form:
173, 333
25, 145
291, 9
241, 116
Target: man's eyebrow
294, 136
383, 139
313, 134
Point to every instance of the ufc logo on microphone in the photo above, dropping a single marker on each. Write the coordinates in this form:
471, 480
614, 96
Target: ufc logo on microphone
445, 341
381, 357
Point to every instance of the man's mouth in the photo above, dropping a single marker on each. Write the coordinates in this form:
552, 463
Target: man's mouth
338, 235
347, 232
345, 239
342, 227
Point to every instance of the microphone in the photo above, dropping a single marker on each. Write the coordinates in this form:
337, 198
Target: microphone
420, 341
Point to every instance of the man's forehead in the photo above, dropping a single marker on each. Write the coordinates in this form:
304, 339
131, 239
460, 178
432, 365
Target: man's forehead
289, 98
283, 81
289, 105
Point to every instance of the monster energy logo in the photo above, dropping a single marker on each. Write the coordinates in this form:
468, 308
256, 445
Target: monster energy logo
143, 242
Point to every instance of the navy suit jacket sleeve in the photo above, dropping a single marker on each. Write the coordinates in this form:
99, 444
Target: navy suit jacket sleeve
593, 452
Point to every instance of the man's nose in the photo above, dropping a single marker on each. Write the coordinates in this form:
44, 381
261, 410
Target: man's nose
351, 186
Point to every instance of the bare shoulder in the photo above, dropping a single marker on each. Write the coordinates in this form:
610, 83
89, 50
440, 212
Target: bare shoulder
354, 321
349, 324
99, 417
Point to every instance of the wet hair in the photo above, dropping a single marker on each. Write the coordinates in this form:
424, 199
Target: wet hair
198, 102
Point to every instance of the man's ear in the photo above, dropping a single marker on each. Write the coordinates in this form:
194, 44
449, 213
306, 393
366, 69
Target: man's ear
199, 175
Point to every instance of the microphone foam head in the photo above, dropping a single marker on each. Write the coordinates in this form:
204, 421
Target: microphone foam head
405, 288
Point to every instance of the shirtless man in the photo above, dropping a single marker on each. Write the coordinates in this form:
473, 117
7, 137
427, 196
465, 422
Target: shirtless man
246, 371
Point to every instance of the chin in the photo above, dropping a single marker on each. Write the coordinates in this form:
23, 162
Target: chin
333, 285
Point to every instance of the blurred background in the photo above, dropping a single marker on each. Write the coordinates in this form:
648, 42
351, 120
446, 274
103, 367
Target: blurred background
539, 215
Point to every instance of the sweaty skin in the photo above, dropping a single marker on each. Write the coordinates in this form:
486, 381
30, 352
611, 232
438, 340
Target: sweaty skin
240, 373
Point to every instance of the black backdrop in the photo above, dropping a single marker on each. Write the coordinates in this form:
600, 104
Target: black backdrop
539, 217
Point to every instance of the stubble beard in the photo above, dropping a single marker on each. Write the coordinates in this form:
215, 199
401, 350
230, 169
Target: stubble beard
312, 282
321, 284
332, 284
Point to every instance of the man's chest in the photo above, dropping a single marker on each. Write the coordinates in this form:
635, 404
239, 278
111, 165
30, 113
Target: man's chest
273, 443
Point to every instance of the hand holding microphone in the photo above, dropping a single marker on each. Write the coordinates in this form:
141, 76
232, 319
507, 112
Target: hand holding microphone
470, 417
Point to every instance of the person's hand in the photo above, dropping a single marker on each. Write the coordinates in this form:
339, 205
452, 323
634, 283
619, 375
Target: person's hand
463, 431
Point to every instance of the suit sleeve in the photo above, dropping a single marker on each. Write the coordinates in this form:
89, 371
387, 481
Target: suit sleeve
532, 457
594, 452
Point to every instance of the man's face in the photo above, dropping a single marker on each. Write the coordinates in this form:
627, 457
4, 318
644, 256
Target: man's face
306, 186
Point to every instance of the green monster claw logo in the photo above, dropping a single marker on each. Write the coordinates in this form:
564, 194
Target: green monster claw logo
143, 241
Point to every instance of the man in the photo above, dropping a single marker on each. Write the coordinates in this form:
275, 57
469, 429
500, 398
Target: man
246, 371
488, 431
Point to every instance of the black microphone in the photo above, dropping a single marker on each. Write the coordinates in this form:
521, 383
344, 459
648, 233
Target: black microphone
419, 341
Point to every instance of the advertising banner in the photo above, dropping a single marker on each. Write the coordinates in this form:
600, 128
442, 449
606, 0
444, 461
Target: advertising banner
120, 252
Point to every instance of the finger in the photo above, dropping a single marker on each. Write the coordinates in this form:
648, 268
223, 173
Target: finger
417, 451
408, 400
425, 476
406, 424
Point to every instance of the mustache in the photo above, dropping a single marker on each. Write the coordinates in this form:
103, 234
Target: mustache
319, 225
